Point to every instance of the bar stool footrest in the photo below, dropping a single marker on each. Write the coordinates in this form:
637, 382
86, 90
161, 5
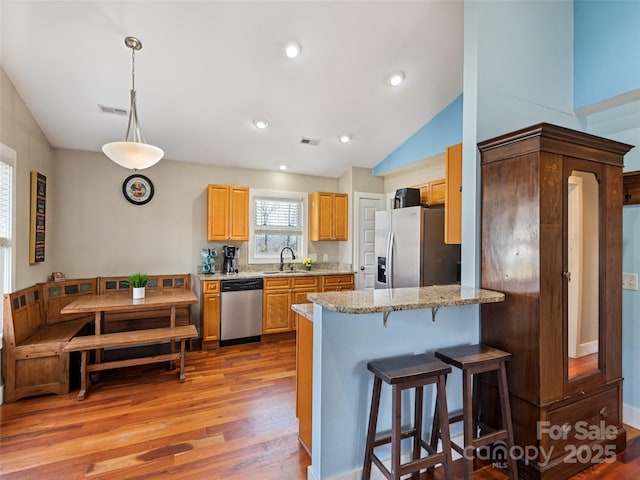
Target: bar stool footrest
490, 438
413, 465
387, 438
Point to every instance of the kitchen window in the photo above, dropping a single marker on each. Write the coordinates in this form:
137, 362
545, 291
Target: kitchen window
278, 220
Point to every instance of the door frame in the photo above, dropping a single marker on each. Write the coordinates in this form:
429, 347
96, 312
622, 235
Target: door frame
357, 196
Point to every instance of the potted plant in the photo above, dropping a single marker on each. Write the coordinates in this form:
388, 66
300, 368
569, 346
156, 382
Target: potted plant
307, 262
138, 281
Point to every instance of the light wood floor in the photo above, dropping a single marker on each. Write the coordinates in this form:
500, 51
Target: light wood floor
233, 419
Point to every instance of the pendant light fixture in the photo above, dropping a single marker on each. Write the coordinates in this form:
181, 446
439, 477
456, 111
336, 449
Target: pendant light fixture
133, 152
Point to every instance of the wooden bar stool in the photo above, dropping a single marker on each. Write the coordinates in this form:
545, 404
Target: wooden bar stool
414, 371
472, 360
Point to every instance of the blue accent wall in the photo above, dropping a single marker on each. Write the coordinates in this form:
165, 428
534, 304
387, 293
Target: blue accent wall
433, 138
606, 49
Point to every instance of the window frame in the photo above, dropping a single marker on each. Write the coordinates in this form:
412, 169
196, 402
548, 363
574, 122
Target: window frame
7, 283
304, 236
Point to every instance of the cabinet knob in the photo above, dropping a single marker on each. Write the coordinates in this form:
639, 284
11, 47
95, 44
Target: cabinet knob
567, 275
604, 412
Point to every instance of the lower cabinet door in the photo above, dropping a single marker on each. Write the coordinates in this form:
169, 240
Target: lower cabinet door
211, 317
276, 311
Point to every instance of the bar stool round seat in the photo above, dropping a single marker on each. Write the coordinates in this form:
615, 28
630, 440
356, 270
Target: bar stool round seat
401, 373
473, 360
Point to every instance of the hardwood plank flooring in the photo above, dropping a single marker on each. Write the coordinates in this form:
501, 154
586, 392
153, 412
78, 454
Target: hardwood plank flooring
233, 419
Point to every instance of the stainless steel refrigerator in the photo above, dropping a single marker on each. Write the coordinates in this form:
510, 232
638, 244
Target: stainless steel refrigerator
410, 249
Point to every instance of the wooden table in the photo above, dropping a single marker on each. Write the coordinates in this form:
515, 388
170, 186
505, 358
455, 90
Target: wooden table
101, 304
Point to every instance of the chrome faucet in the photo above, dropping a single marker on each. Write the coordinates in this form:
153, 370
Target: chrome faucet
293, 256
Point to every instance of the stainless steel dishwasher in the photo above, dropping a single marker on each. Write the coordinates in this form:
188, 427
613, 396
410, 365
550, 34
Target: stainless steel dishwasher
240, 311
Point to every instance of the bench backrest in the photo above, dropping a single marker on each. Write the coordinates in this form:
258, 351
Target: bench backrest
23, 314
113, 285
153, 317
58, 295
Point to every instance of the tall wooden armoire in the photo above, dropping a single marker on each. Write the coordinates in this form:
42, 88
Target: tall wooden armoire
552, 242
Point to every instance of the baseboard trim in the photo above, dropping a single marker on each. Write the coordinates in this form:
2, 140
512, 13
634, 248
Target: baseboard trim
631, 416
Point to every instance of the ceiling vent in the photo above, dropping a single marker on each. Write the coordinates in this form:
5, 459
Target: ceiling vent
309, 141
112, 110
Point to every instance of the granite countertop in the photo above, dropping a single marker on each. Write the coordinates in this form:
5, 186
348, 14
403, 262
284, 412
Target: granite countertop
394, 299
271, 273
304, 309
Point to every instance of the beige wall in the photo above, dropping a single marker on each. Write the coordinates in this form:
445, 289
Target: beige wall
98, 232
355, 179
423, 171
20, 132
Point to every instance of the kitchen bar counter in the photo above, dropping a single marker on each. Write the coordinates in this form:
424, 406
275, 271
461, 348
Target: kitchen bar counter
395, 299
348, 333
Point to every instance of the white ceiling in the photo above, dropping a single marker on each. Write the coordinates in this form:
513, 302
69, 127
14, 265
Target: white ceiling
207, 69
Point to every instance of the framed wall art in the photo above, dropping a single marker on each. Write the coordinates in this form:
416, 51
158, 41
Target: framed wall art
38, 217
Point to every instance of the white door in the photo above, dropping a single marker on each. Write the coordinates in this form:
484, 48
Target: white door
366, 205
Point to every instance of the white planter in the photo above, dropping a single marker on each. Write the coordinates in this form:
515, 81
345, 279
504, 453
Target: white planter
138, 292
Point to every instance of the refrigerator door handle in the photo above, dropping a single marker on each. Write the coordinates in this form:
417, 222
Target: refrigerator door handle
390, 261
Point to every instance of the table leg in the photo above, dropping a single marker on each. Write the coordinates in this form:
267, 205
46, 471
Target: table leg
172, 323
84, 377
99, 353
182, 376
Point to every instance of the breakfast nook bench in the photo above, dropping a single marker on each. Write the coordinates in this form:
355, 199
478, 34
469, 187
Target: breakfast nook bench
35, 334
86, 344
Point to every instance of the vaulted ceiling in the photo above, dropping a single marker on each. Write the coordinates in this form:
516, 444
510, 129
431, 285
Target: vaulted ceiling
208, 69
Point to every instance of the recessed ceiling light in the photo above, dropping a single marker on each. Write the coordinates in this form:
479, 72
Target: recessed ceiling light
261, 124
292, 49
283, 167
396, 78
344, 138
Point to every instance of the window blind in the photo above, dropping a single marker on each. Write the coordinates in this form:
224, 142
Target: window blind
6, 175
278, 216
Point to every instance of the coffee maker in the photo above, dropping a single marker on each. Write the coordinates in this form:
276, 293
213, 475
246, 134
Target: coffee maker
230, 263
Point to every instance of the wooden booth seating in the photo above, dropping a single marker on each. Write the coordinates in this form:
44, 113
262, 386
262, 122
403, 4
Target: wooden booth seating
35, 335
86, 344
142, 319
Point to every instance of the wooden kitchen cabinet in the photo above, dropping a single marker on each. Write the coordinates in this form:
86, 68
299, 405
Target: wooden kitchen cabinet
304, 379
453, 195
432, 193
278, 295
337, 283
211, 311
227, 213
328, 216
551, 240
631, 188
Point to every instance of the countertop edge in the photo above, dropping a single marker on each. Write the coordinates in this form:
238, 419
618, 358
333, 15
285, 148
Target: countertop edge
350, 300
204, 277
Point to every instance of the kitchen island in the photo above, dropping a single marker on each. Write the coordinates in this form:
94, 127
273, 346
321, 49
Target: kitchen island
352, 328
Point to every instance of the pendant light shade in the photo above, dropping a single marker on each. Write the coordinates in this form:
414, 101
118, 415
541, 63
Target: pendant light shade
133, 152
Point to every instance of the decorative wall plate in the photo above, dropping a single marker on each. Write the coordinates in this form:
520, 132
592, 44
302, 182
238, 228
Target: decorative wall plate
138, 189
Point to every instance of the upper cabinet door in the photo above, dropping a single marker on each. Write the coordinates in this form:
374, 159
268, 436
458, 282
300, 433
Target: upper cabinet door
453, 195
340, 216
239, 213
218, 213
227, 213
